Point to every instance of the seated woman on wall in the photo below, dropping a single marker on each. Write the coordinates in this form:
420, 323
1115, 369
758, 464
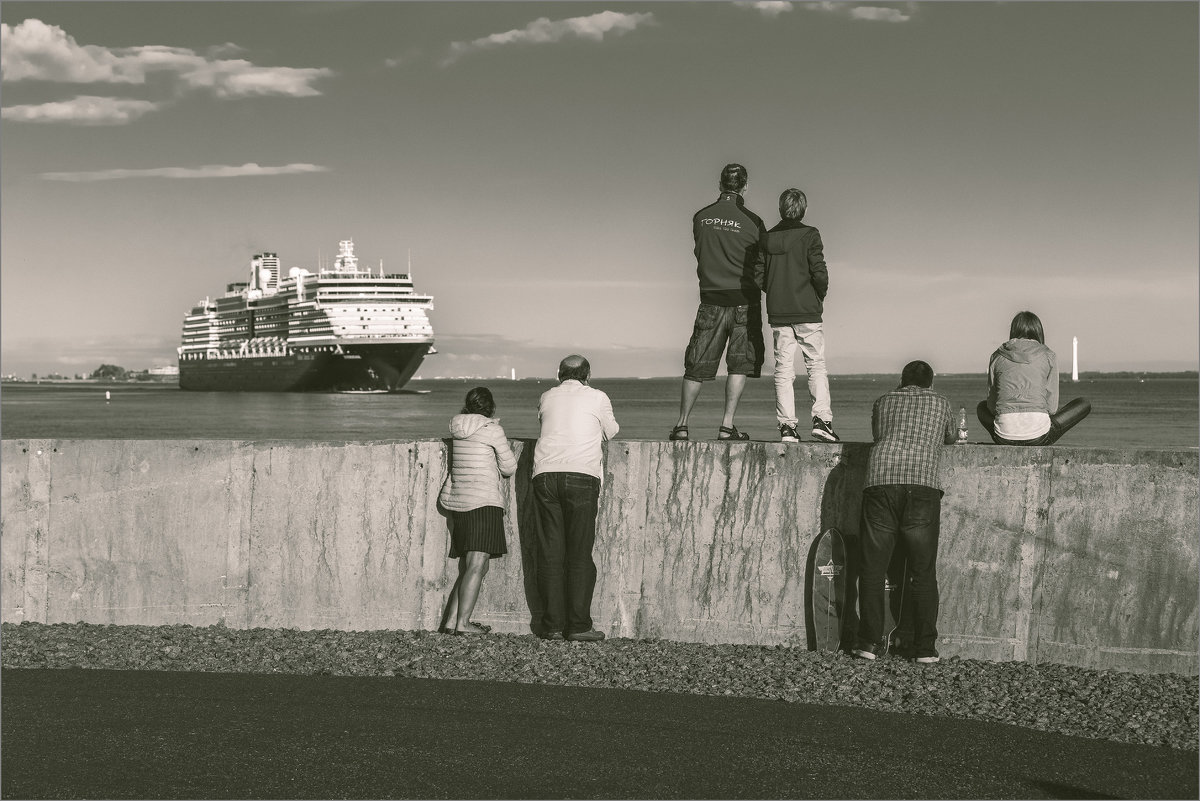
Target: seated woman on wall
1022, 402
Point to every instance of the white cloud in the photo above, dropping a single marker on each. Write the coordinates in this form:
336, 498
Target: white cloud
868, 13
240, 78
878, 14
35, 51
82, 110
545, 31
551, 282
769, 8
403, 59
208, 171
227, 49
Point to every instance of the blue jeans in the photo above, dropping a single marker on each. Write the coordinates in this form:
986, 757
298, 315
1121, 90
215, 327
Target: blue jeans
566, 575
910, 513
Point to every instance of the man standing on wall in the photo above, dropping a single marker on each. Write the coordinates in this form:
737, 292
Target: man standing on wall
792, 272
902, 500
726, 234
567, 466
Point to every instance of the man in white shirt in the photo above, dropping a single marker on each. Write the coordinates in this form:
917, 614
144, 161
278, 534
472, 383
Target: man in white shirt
567, 466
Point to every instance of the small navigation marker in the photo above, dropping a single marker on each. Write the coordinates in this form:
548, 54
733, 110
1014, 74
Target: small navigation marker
1074, 358
107, 396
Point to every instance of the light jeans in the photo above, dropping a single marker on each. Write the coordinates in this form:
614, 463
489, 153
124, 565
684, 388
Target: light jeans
810, 340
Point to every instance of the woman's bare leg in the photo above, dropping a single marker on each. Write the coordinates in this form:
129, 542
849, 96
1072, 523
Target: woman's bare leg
476, 567
450, 615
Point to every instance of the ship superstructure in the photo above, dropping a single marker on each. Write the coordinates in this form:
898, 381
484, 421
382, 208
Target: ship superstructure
342, 328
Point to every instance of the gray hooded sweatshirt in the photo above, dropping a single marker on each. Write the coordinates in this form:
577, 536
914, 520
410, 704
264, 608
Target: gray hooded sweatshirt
1023, 377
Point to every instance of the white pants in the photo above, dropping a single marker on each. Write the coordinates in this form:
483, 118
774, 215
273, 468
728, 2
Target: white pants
810, 340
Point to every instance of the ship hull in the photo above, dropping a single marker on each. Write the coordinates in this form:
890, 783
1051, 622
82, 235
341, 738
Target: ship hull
387, 367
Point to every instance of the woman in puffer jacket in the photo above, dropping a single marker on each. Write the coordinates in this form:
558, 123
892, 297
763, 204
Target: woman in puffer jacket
1022, 402
480, 456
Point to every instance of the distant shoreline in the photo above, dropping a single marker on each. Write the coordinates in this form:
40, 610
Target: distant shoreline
1084, 376
91, 381
1063, 377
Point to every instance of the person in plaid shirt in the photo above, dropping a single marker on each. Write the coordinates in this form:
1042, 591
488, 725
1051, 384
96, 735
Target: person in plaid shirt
902, 499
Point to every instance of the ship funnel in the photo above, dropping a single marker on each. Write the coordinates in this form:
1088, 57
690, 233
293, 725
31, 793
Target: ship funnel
269, 264
346, 261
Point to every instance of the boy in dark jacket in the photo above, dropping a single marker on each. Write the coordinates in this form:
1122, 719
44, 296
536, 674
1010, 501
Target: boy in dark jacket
791, 271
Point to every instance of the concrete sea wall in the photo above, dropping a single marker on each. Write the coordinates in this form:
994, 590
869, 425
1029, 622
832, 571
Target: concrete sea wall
1086, 557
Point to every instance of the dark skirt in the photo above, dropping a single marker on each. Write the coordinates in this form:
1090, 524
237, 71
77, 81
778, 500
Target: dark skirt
479, 529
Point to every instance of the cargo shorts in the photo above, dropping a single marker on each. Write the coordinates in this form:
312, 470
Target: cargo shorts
716, 327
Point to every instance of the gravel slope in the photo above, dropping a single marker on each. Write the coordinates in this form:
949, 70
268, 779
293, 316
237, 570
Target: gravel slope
1160, 709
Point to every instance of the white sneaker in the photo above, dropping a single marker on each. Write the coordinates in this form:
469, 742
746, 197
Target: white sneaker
863, 654
928, 660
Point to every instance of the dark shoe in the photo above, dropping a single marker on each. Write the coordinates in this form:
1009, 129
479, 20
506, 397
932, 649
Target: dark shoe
551, 635
445, 630
900, 647
824, 431
861, 651
679, 433
591, 635
928, 658
731, 433
788, 433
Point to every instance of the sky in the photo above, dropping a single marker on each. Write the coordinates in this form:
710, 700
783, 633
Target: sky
541, 163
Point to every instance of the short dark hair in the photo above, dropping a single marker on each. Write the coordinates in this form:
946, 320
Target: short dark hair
480, 401
576, 367
1026, 325
792, 204
917, 374
733, 178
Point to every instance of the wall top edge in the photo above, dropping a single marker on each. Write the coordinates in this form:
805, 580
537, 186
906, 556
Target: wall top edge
978, 452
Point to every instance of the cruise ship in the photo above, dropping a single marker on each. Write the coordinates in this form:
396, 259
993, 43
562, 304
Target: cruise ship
344, 328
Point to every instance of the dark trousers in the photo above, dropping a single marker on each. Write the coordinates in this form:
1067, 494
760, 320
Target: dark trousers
1060, 423
566, 574
911, 514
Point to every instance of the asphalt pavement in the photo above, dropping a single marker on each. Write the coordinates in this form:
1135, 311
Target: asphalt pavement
144, 734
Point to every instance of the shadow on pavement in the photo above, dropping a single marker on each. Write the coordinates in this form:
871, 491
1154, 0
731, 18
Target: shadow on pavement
143, 734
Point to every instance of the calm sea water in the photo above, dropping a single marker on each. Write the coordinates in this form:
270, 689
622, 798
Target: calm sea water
1155, 413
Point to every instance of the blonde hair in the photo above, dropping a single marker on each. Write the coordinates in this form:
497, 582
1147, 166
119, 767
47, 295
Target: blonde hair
792, 204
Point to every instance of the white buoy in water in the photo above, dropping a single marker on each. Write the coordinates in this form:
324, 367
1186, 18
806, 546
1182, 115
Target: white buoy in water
107, 396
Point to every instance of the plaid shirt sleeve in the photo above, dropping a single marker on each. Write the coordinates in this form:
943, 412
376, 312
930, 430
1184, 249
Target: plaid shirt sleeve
910, 426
